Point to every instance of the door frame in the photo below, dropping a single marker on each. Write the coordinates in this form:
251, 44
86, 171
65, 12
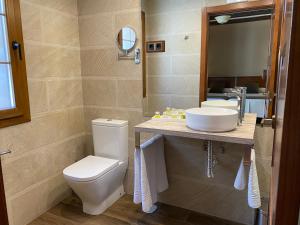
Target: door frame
285, 194
237, 7
3, 208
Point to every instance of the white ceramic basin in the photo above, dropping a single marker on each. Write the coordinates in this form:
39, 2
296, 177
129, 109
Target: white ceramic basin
220, 104
211, 119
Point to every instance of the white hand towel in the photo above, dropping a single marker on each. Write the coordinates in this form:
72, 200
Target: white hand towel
240, 180
137, 196
150, 173
254, 200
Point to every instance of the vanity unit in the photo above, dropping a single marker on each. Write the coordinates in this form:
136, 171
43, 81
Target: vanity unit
243, 134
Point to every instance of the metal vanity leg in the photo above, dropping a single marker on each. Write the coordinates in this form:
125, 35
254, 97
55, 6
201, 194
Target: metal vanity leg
137, 140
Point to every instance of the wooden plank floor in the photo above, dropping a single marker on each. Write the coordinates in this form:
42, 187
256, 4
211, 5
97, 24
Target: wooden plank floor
124, 212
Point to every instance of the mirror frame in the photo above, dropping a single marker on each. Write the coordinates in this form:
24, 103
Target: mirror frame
135, 43
236, 7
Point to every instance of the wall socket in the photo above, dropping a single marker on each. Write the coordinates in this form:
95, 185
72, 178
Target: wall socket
155, 46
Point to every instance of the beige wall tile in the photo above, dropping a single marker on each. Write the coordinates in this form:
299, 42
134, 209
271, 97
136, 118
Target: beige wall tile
264, 175
159, 65
159, 85
33, 56
38, 96
158, 6
65, 6
158, 103
100, 92
42, 131
129, 93
177, 85
98, 62
186, 64
62, 94
31, 22
190, 21
184, 102
31, 167
104, 62
131, 19
264, 141
38, 199
178, 45
44, 61
97, 30
214, 2
159, 24
61, 62
59, 29
128, 184
100, 6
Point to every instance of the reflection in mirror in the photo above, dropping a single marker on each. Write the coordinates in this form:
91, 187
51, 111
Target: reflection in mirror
172, 77
126, 39
238, 56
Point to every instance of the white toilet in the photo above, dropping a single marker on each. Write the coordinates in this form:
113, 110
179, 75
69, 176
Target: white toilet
98, 180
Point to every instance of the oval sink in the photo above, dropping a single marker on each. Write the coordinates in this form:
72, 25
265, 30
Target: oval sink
211, 119
220, 104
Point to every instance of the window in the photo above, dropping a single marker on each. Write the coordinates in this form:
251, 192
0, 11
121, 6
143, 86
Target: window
14, 102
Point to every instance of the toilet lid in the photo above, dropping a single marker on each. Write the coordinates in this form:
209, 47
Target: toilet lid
89, 168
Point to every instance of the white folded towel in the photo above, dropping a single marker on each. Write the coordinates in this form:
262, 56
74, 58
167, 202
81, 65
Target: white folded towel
137, 195
240, 180
150, 173
254, 200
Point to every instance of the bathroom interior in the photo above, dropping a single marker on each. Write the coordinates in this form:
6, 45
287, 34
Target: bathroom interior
138, 111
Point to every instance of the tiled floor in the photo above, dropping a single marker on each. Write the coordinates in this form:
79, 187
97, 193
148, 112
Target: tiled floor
125, 212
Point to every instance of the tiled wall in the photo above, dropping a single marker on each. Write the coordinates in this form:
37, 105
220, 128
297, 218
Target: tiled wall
55, 137
173, 76
111, 88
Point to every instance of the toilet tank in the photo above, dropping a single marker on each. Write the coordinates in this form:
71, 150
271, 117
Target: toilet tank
110, 138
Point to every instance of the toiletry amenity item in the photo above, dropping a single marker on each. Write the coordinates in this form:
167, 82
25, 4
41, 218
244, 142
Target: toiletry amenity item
170, 114
150, 175
157, 115
240, 180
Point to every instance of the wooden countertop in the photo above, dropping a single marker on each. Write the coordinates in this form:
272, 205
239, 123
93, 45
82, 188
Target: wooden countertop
243, 134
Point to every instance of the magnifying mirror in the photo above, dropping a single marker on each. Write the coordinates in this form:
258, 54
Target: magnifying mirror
126, 39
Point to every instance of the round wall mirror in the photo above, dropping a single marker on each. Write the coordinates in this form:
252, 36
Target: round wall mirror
126, 39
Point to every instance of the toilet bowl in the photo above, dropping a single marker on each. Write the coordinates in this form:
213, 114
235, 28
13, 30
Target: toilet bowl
98, 180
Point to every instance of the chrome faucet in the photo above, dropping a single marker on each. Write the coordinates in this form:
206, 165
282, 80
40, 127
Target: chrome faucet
240, 94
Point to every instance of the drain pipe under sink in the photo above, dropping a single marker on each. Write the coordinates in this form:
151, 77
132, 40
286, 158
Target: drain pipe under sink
210, 164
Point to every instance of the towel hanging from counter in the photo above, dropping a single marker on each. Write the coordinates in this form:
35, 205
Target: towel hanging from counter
240, 180
150, 175
254, 200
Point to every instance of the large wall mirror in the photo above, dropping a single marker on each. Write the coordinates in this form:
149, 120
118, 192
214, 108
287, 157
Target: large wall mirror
239, 48
209, 48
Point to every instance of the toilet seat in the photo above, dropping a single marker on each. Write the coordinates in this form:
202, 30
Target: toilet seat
90, 168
